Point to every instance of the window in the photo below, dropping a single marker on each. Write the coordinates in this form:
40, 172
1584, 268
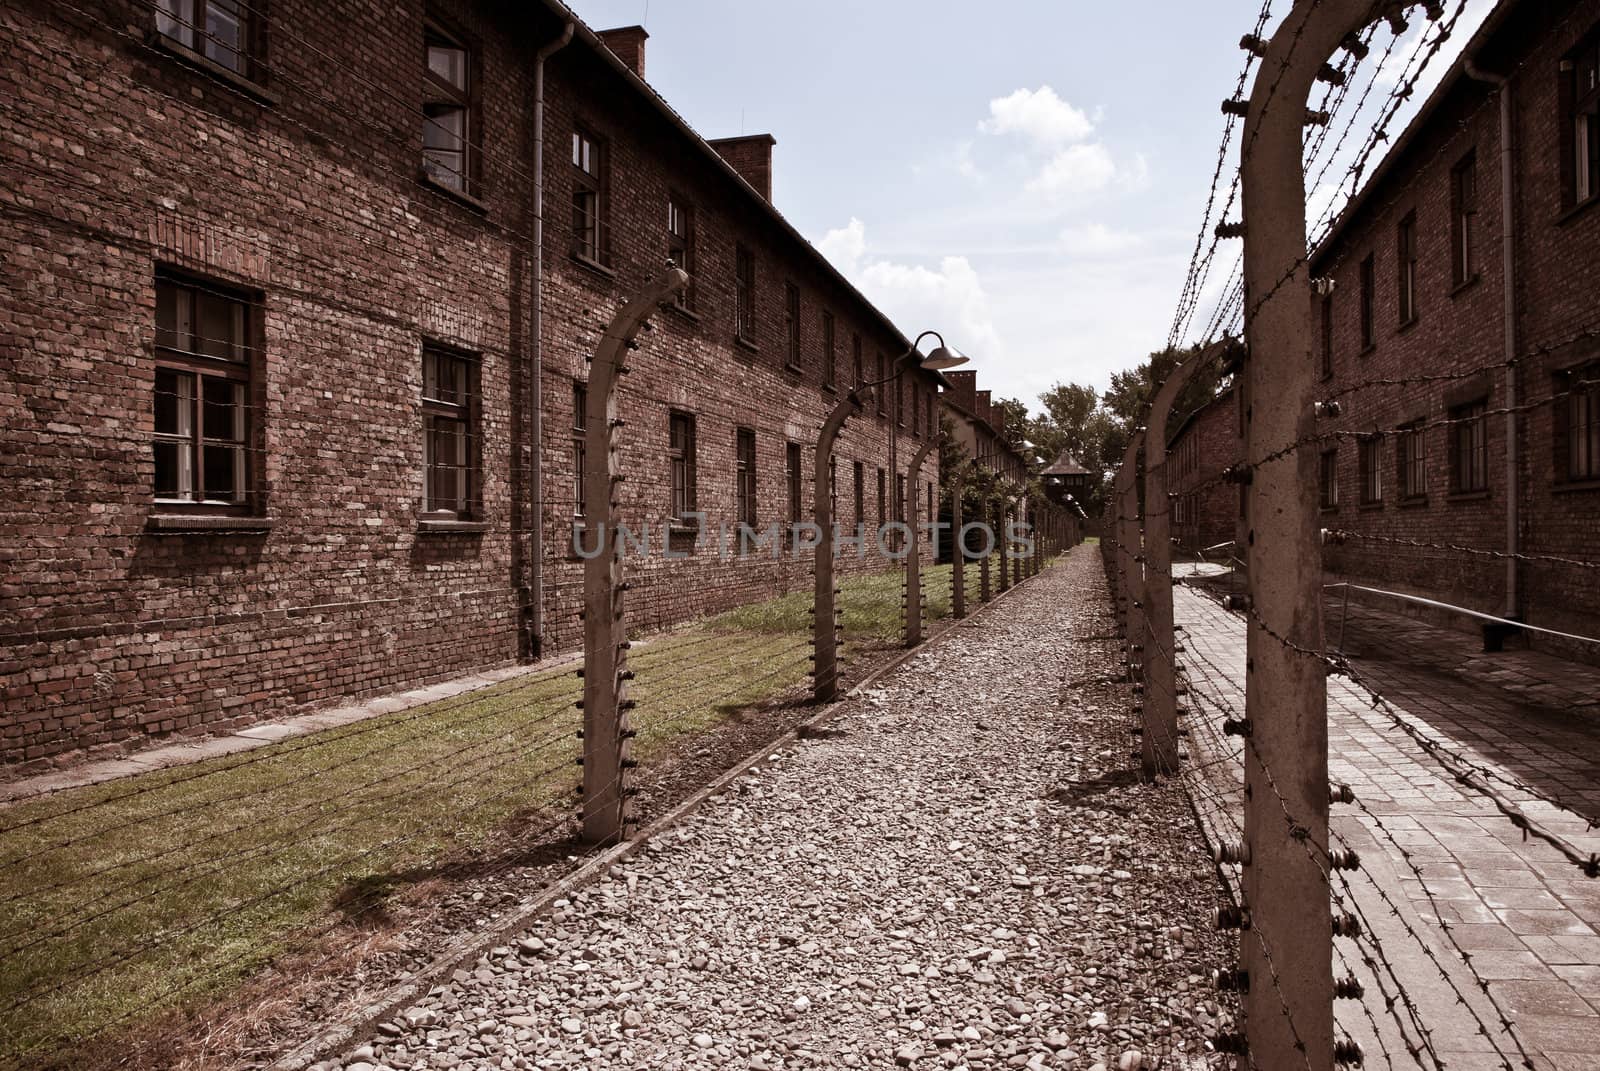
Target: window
449, 127
1406, 262
1578, 424
223, 31
744, 294
861, 495
580, 447
1463, 209
1580, 124
680, 461
899, 498
933, 424
796, 482
744, 476
916, 409
449, 432
833, 488
203, 366
830, 358
1329, 482
590, 240
1413, 458
883, 363
680, 244
1327, 337
1369, 293
1369, 461
882, 516
791, 326
1469, 448
900, 385
855, 360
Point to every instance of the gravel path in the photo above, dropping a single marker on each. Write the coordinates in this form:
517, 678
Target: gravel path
959, 873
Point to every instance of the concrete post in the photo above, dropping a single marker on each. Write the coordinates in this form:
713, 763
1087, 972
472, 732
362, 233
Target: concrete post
913, 607
1129, 548
824, 611
958, 549
1160, 750
606, 814
1288, 952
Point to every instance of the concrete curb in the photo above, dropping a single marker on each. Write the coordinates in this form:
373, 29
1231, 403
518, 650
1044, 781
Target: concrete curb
354, 1027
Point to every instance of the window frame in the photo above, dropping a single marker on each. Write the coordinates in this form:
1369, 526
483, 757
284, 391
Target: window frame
1469, 460
860, 472
1368, 290
883, 403
468, 413
1577, 388
253, 23
794, 475
1328, 481
1326, 312
1579, 124
744, 294
437, 92
241, 371
1369, 466
830, 353
1411, 460
1405, 247
681, 459
680, 245
745, 504
857, 367
591, 244
791, 326
1463, 219
580, 447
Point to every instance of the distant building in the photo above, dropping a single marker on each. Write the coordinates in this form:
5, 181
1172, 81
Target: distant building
1205, 508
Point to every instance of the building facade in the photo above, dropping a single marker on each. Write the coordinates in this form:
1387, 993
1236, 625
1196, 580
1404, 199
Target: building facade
1461, 338
1205, 507
293, 348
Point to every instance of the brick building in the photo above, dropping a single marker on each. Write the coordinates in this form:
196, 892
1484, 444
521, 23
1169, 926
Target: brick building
297, 310
1205, 509
1468, 270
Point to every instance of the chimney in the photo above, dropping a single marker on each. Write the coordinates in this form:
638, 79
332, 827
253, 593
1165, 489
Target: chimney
986, 407
751, 156
627, 44
964, 389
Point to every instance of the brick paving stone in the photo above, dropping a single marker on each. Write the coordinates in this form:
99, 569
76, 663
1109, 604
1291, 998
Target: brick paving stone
1440, 864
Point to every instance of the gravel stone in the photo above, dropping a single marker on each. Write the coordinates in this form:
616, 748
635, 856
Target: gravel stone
961, 873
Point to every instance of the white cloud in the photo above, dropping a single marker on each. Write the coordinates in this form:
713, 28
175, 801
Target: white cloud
950, 298
1039, 115
1077, 169
1098, 240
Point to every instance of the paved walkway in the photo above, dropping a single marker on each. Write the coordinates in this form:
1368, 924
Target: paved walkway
1443, 872
961, 873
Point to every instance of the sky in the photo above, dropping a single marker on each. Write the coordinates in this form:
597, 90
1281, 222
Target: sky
1026, 177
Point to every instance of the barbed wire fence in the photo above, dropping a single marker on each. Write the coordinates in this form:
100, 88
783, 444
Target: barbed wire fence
1296, 882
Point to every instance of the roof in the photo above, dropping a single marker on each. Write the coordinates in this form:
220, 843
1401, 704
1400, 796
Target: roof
589, 37
1066, 465
1491, 25
1183, 426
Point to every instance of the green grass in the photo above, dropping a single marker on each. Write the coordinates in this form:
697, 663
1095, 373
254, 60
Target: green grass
127, 900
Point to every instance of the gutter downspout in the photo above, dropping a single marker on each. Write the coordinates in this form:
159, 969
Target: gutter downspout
535, 641
1508, 271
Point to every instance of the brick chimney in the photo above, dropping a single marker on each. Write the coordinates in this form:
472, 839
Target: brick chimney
964, 389
751, 156
627, 44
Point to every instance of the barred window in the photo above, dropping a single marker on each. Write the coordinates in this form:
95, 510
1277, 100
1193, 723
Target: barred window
590, 191
1412, 454
681, 463
1469, 448
580, 448
203, 370
796, 482
744, 294
1578, 424
745, 476
1329, 482
1406, 264
861, 494
680, 245
1370, 462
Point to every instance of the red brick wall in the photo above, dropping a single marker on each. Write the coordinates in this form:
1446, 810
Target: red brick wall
120, 160
1205, 509
1460, 329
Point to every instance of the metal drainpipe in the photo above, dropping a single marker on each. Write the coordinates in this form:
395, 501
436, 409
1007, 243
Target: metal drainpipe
536, 466
1508, 270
